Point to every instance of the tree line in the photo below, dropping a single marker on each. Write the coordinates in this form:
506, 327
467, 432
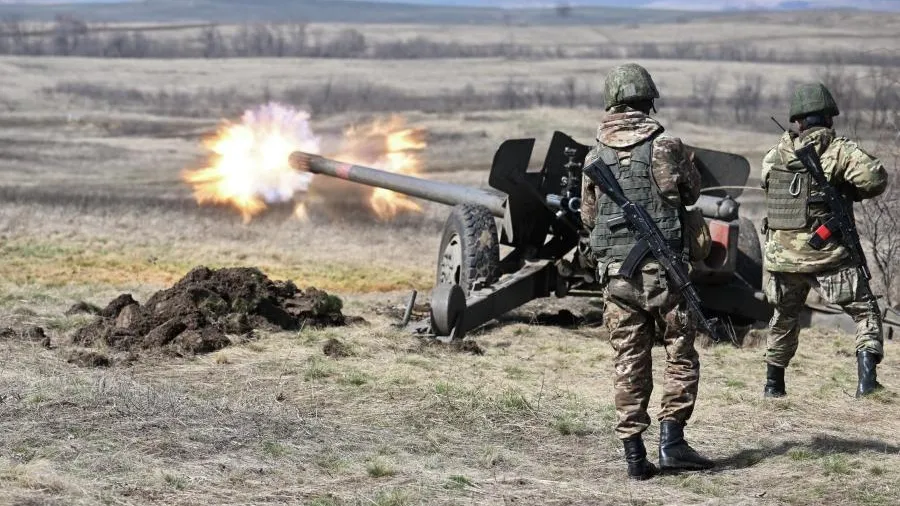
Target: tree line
69, 36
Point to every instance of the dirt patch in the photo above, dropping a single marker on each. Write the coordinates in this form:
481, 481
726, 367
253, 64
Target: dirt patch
335, 348
82, 307
31, 333
201, 310
429, 345
467, 346
561, 318
87, 358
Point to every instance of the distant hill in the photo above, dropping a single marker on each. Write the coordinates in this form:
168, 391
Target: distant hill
705, 5
410, 11
329, 11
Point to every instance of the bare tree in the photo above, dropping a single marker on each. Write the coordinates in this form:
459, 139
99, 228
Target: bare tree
349, 43
883, 81
570, 91
540, 94
67, 32
845, 88
213, 43
13, 33
509, 96
881, 228
879, 221
704, 93
879, 218
747, 97
297, 38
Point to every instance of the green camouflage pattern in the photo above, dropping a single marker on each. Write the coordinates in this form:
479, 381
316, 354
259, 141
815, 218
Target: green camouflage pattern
636, 182
810, 99
640, 311
676, 178
847, 166
628, 83
788, 292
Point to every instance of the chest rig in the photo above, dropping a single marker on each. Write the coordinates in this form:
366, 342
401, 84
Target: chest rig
793, 199
610, 240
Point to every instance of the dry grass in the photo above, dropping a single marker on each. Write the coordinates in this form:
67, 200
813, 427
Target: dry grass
48, 264
418, 77
404, 422
92, 205
816, 31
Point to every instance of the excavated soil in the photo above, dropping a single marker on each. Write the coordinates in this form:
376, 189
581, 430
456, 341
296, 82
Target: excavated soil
31, 333
200, 311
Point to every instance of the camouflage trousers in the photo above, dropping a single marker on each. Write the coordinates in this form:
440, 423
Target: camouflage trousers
639, 312
787, 291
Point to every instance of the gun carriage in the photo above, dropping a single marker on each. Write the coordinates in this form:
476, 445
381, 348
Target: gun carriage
534, 215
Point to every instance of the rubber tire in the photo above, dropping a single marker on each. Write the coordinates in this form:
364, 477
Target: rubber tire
750, 255
476, 229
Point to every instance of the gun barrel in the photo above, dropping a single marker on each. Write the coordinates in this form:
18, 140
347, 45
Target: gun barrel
435, 191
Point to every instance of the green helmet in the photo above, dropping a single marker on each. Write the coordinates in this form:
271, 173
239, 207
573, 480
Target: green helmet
628, 83
812, 99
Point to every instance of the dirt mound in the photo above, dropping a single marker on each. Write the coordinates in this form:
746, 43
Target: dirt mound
198, 312
87, 358
32, 333
83, 307
336, 349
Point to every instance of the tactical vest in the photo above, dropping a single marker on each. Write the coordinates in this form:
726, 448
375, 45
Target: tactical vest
793, 199
636, 180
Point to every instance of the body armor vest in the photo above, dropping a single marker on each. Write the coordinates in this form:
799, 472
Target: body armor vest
636, 180
793, 199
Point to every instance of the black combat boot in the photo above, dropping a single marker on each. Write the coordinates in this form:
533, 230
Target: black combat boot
774, 381
639, 468
674, 452
866, 362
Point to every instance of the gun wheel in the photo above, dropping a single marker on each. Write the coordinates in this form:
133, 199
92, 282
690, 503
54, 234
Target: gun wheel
470, 252
448, 304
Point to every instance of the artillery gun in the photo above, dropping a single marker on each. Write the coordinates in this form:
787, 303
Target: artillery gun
535, 215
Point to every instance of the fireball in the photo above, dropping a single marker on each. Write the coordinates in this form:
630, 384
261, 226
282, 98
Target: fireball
248, 167
248, 163
388, 145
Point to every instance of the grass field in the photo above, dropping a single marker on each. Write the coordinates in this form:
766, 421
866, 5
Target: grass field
92, 205
404, 422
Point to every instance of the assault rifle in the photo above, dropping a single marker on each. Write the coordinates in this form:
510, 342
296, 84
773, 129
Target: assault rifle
840, 225
650, 242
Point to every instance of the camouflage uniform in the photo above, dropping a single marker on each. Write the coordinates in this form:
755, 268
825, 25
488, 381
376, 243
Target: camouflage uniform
641, 310
795, 267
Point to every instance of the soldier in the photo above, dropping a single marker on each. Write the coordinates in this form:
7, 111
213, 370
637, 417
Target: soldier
794, 210
656, 171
